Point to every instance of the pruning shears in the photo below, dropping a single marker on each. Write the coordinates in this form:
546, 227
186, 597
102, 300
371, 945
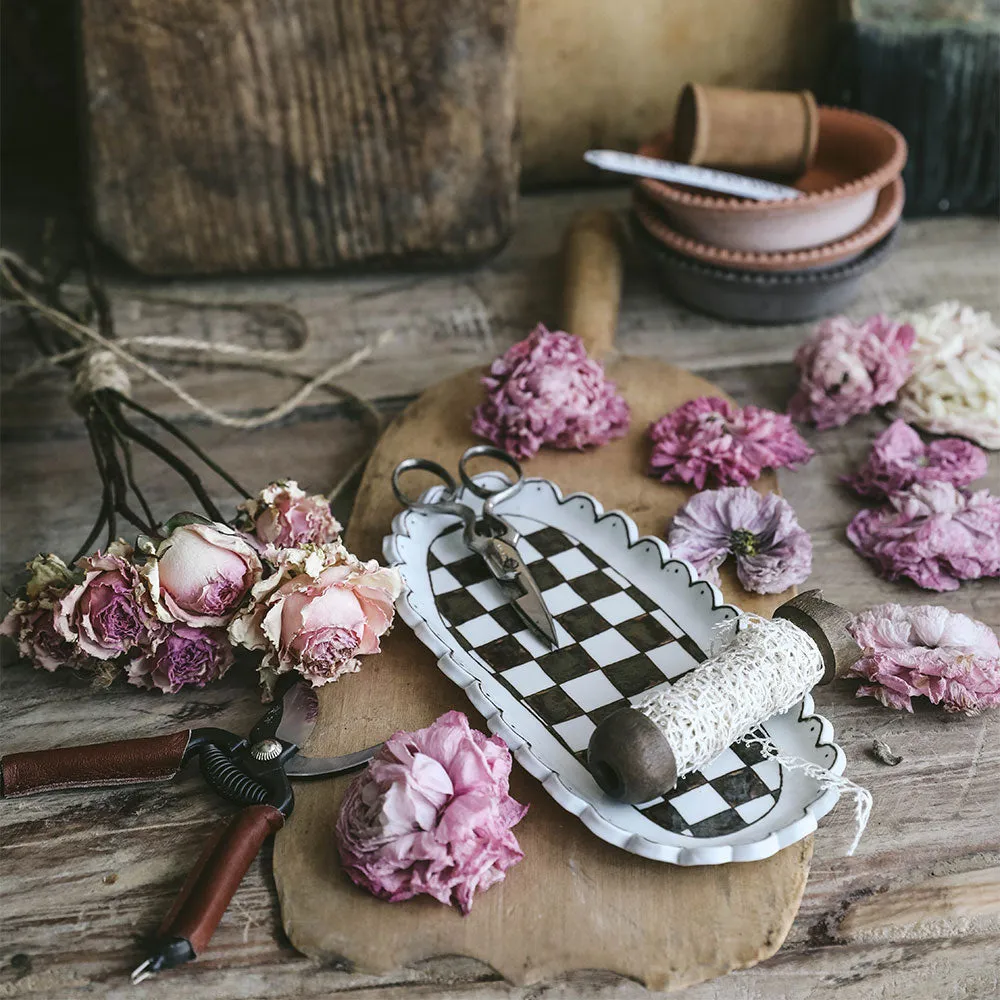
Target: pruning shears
253, 771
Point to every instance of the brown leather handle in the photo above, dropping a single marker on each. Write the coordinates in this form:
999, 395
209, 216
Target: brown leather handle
205, 895
593, 280
120, 762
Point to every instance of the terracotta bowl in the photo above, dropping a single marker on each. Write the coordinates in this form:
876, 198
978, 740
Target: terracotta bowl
888, 209
857, 156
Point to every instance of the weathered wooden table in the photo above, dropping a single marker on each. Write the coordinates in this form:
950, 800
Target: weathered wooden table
916, 913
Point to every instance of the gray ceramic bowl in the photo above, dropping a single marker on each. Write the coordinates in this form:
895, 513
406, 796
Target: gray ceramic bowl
757, 296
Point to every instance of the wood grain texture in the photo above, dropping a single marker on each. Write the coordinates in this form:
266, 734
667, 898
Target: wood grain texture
84, 876
574, 902
240, 135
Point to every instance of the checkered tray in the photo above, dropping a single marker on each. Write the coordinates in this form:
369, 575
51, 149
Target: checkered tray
629, 618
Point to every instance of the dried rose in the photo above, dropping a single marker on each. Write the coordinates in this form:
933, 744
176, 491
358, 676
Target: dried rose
545, 390
283, 516
109, 612
955, 385
182, 656
772, 551
33, 629
899, 458
946, 657
319, 625
932, 533
712, 440
201, 573
846, 369
432, 814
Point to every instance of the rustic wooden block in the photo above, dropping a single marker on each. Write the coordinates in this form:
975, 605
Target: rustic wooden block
932, 68
277, 134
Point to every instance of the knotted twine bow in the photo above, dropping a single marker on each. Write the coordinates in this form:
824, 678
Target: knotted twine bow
103, 362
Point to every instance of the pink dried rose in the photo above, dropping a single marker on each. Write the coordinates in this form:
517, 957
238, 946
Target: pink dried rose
30, 622
712, 440
545, 390
934, 534
201, 573
108, 612
772, 551
182, 656
846, 369
946, 657
318, 625
432, 814
283, 516
899, 458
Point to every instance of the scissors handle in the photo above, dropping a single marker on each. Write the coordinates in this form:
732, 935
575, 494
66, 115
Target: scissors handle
493, 498
446, 505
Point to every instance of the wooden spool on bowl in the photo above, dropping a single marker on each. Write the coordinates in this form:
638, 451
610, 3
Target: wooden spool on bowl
629, 755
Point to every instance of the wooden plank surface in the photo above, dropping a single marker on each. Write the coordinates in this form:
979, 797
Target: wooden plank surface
84, 876
288, 134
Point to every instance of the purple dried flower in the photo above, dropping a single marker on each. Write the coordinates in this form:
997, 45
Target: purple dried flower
934, 534
846, 369
772, 550
182, 656
712, 439
947, 657
545, 390
899, 458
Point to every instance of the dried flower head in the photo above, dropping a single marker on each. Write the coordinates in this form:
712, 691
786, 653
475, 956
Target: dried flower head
182, 656
899, 458
282, 515
432, 814
545, 390
710, 440
846, 369
934, 534
772, 550
955, 385
946, 657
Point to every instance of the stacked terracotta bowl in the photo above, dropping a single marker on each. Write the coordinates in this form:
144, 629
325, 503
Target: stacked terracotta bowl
772, 261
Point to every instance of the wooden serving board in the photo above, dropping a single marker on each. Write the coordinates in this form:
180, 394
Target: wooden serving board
574, 902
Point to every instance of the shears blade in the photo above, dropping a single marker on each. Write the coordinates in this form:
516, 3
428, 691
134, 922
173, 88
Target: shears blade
515, 576
323, 767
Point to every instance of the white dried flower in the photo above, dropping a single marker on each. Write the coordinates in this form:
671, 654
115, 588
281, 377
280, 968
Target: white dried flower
955, 385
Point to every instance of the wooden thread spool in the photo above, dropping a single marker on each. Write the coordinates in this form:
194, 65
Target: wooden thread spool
631, 757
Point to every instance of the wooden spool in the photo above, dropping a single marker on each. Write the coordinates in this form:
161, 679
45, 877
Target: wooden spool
630, 757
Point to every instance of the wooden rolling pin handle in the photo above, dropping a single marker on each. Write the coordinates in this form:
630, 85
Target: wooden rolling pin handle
593, 280
632, 760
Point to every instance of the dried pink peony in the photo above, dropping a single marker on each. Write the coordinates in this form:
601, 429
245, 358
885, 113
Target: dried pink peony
182, 656
934, 534
846, 369
318, 625
201, 573
772, 551
283, 516
899, 458
432, 814
109, 612
545, 390
946, 657
712, 440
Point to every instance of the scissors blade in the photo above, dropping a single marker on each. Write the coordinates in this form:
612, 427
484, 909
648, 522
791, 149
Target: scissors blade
527, 598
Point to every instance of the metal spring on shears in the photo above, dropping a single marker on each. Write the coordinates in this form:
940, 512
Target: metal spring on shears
228, 780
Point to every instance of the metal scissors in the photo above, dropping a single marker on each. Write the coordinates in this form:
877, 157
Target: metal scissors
491, 537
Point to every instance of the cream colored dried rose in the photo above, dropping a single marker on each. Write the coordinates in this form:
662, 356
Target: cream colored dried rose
955, 385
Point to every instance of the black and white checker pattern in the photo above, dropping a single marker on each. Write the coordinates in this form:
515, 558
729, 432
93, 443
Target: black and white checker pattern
614, 643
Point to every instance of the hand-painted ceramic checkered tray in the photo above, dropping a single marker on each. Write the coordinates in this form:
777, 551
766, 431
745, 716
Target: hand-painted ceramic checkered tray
629, 618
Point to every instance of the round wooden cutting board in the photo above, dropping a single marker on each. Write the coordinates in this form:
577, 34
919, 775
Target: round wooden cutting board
574, 902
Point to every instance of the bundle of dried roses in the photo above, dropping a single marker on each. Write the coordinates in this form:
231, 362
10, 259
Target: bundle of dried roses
173, 609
